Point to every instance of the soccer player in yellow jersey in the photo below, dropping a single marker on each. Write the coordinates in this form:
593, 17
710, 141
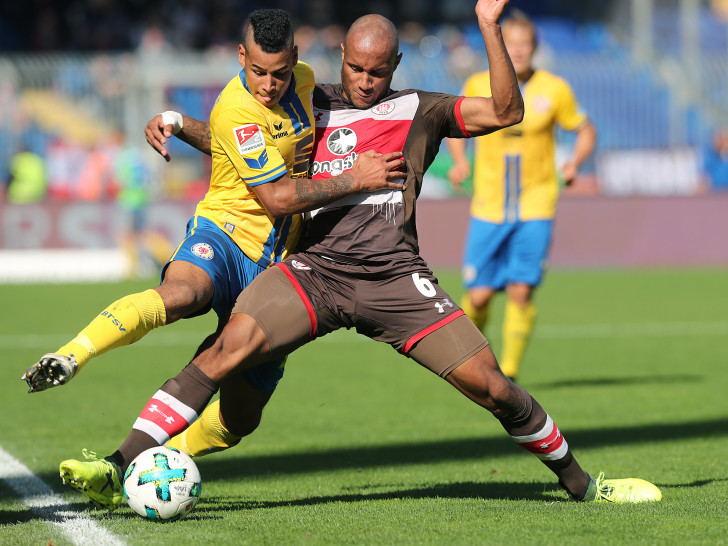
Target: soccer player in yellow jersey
516, 186
262, 135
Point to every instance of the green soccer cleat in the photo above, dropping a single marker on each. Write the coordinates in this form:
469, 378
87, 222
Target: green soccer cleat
99, 479
625, 490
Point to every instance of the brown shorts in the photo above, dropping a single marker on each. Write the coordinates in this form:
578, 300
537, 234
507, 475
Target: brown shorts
308, 296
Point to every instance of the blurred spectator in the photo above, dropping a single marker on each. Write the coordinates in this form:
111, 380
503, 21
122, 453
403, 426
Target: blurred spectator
27, 178
96, 179
715, 161
146, 249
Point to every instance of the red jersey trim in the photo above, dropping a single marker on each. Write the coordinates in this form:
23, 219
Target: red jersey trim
459, 117
417, 337
303, 296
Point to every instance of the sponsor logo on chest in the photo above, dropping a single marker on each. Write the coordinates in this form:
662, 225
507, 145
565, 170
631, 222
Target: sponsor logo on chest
343, 134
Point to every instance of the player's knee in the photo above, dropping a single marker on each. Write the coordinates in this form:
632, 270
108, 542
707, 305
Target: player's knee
186, 289
520, 294
480, 299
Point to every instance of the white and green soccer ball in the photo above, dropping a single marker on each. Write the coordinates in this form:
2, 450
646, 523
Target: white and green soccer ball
162, 484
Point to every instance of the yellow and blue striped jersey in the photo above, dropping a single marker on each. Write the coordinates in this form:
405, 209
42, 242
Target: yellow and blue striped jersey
253, 145
515, 174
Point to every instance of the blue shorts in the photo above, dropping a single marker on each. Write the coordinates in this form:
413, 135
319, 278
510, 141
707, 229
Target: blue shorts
210, 248
500, 254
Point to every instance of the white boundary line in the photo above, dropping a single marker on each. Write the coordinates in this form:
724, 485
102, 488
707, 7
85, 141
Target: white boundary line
40, 498
541, 331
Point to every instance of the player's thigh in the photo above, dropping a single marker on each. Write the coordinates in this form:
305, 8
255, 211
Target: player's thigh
484, 256
409, 312
528, 252
281, 310
229, 270
263, 377
444, 349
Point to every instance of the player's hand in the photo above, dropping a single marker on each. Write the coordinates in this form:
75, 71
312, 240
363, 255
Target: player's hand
458, 173
50, 371
374, 171
569, 172
489, 11
157, 134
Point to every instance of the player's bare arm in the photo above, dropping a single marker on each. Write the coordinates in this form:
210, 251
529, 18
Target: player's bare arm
371, 172
586, 140
484, 115
193, 131
460, 169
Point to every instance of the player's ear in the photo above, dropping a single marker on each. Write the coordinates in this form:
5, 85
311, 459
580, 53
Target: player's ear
342, 52
295, 55
241, 55
396, 61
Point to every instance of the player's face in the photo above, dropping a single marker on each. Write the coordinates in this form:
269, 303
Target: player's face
366, 72
521, 46
267, 74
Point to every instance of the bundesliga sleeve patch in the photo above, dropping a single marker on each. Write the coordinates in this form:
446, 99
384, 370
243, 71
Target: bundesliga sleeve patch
249, 138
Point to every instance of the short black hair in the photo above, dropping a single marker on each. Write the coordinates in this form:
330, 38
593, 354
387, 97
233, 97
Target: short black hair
271, 29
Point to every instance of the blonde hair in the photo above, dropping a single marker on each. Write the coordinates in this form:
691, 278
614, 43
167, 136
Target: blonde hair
516, 17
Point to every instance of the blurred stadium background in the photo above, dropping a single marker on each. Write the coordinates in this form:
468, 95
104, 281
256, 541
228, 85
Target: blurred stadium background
80, 79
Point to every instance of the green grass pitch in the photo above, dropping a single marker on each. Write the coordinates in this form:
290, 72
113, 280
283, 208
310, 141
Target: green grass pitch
361, 446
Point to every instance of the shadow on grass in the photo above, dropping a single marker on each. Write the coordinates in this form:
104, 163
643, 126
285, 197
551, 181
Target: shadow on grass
355, 457
459, 490
617, 381
696, 483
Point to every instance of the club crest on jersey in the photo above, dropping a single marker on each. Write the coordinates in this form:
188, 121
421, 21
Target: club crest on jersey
541, 103
383, 108
203, 250
300, 265
249, 138
341, 141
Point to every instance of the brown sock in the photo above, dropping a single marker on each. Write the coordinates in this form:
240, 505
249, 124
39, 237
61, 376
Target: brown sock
532, 428
171, 410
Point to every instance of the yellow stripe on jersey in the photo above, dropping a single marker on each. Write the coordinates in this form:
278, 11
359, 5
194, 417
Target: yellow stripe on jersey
253, 145
515, 175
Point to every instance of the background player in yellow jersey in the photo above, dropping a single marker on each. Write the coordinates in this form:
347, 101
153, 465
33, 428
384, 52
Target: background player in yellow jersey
262, 137
515, 191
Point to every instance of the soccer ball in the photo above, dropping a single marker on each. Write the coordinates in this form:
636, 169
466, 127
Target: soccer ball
162, 484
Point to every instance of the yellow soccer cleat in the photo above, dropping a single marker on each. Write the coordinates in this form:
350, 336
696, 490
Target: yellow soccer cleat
625, 490
97, 478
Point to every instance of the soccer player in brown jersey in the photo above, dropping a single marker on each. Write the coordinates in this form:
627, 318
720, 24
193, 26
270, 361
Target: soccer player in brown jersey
358, 264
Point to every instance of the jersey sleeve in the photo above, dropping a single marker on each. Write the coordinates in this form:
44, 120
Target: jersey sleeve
569, 114
246, 139
441, 115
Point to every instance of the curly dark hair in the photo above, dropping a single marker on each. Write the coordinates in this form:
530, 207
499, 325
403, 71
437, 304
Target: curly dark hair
271, 29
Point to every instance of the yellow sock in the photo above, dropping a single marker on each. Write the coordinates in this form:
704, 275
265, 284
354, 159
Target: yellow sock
206, 435
517, 327
479, 317
123, 322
